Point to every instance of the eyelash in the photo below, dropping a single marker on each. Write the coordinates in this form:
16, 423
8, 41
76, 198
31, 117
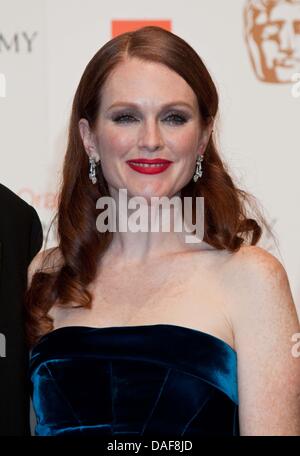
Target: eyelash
182, 119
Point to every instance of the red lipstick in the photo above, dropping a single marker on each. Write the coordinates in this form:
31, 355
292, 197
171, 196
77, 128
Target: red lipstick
143, 165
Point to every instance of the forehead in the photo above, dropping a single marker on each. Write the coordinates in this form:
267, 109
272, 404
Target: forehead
281, 11
286, 10
141, 81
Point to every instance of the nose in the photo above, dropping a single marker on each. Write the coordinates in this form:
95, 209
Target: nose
287, 38
150, 136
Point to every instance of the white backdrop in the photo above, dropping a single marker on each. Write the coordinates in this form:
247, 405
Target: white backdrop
45, 46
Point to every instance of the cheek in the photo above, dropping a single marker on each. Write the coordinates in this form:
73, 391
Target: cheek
115, 142
184, 143
270, 48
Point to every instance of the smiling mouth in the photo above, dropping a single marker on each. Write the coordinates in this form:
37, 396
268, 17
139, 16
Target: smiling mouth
287, 63
149, 168
148, 165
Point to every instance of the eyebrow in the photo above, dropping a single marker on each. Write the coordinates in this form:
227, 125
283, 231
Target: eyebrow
166, 105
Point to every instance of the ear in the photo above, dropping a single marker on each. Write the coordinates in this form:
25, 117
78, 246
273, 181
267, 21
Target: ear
205, 137
88, 139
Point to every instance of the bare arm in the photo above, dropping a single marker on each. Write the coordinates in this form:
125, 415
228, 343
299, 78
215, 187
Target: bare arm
264, 319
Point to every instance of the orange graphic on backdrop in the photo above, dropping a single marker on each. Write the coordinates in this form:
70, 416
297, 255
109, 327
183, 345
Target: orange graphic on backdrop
121, 26
272, 33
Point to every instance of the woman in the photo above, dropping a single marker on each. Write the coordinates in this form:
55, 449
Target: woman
141, 332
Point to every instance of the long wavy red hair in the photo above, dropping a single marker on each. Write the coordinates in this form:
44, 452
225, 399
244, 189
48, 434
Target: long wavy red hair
226, 223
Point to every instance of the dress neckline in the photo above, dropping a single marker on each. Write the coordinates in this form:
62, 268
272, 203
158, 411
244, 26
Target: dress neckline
135, 327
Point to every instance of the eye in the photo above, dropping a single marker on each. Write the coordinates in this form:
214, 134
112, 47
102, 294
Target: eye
176, 118
124, 118
171, 118
272, 29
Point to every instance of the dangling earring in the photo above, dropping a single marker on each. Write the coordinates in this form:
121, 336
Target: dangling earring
92, 170
198, 172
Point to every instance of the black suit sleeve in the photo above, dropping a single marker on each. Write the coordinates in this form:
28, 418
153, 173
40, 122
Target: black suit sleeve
21, 238
36, 235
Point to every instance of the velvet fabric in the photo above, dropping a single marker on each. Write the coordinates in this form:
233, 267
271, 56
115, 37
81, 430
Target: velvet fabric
159, 379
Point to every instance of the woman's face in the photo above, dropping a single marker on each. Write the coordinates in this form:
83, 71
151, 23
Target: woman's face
134, 122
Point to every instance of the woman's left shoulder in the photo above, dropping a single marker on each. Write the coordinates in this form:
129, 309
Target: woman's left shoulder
254, 263
259, 287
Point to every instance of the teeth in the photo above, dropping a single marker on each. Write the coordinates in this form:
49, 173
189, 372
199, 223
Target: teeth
147, 165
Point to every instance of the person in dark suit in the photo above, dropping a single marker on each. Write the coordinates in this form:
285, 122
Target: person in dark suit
21, 237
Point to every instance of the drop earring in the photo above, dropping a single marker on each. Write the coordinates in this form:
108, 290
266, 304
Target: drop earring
198, 172
92, 170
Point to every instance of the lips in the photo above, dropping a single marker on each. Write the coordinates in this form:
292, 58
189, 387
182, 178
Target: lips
149, 166
148, 160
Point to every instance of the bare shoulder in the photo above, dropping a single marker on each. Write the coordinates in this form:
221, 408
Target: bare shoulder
255, 266
45, 261
260, 288
250, 256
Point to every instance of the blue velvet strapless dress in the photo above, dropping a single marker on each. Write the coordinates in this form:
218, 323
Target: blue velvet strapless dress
159, 379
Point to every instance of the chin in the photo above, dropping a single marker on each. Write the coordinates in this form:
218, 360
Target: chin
146, 193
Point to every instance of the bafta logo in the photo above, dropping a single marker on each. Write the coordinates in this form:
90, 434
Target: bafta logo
272, 34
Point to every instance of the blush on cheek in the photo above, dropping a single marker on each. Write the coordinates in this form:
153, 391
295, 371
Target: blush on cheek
185, 149
117, 142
